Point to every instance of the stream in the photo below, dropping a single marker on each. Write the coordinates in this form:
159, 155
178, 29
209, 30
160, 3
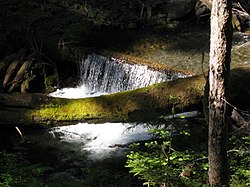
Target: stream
88, 155
78, 147
96, 147
82, 145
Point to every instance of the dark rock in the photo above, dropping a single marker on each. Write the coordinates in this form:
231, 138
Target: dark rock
178, 9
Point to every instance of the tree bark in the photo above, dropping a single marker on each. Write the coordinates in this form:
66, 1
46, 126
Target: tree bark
219, 72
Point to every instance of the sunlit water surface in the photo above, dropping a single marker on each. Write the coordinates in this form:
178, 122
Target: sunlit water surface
80, 91
100, 141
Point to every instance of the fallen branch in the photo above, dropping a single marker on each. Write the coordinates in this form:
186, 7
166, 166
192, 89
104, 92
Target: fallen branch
237, 9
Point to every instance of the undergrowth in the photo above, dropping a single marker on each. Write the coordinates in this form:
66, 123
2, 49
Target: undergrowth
161, 162
16, 170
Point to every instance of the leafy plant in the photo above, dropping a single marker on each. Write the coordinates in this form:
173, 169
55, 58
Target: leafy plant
158, 163
15, 170
161, 162
173, 100
239, 156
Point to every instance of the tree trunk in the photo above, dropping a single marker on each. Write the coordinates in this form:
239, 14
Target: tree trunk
220, 51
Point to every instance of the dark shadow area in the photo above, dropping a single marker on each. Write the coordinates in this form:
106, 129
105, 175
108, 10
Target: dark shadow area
94, 24
240, 88
65, 31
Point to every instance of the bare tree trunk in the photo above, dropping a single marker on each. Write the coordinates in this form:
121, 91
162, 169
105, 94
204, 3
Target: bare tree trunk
220, 51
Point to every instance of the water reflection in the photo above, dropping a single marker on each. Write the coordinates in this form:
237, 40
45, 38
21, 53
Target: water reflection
98, 141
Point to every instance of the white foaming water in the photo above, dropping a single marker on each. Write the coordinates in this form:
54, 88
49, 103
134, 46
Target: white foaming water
101, 75
101, 141
75, 93
110, 75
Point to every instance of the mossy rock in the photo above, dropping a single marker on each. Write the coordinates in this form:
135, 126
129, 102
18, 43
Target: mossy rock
51, 81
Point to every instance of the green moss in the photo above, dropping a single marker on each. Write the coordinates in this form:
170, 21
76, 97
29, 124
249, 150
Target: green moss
140, 104
51, 80
61, 109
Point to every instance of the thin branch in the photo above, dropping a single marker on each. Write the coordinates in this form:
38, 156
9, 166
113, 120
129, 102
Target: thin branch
237, 109
20, 133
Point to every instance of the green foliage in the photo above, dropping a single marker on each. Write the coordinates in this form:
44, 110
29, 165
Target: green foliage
15, 170
239, 156
159, 163
172, 100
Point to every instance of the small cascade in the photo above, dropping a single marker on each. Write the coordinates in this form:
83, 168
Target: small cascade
103, 75
109, 75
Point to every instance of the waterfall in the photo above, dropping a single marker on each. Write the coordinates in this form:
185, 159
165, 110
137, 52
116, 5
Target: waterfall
98, 75
101, 75
109, 75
